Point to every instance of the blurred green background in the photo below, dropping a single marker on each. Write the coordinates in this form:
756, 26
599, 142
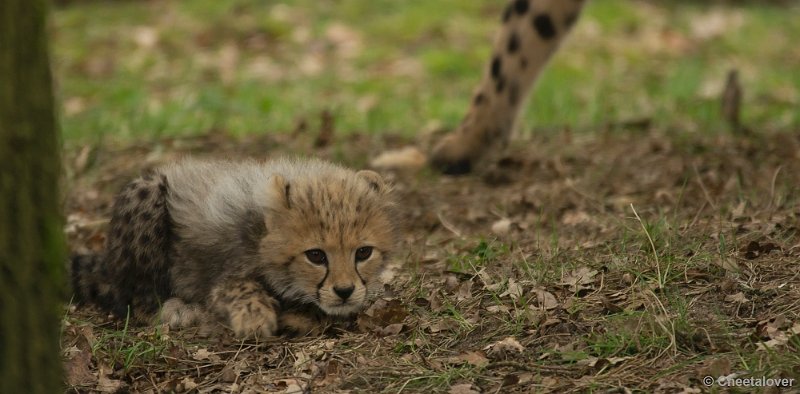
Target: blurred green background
139, 70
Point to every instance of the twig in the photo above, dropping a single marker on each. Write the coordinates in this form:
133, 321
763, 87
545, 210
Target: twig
653, 246
703, 187
526, 367
772, 187
696, 218
669, 331
449, 226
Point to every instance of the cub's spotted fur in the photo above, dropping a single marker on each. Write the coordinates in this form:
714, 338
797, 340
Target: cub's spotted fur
282, 246
531, 32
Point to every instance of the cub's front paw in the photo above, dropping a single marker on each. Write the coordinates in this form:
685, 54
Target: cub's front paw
249, 311
178, 314
295, 324
253, 319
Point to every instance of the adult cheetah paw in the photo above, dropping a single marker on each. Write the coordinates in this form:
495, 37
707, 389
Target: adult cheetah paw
453, 154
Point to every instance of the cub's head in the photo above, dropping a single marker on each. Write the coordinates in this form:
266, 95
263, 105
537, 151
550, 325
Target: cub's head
329, 232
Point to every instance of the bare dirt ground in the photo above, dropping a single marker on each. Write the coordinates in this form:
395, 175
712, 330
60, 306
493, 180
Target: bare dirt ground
628, 260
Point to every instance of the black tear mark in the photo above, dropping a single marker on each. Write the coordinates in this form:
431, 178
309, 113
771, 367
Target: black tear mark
480, 98
287, 192
544, 26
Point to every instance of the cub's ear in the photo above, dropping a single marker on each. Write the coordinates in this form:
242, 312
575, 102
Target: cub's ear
374, 180
277, 193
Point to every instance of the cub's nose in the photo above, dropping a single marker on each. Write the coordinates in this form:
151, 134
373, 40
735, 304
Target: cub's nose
344, 292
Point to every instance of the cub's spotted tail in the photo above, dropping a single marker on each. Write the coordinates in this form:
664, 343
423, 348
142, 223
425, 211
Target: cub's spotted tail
86, 282
131, 277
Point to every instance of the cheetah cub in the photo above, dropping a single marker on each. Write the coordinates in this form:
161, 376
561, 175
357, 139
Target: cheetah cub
285, 246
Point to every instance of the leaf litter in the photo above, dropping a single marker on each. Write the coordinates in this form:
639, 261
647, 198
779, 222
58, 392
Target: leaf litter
567, 299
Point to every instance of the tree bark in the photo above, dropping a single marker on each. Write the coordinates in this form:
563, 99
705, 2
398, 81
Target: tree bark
31, 239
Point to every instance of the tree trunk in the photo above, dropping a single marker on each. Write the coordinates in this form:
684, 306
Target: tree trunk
31, 239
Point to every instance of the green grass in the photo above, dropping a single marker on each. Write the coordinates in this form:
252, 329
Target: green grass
141, 70
127, 349
659, 296
482, 254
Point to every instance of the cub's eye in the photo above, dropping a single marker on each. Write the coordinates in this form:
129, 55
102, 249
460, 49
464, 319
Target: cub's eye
316, 256
363, 253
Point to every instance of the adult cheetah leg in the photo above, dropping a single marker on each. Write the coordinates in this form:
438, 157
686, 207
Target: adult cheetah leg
531, 32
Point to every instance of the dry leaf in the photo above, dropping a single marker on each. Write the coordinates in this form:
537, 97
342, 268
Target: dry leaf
545, 299
145, 37
772, 343
106, 385
204, 354
391, 329
292, 386
409, 158
728, 265
716, 368
76, 367
505, 348
436, 302
301, 361
579, 279
513, 290
228, 375
476, 358
501, 227
79, 357
441, 325
187, 384
73, 106
548, 381
590, 361
451, 282
617, 360
610, 307
381, 314
464, 291
465, 388
497, 309
572, 218
627, 279
738, 298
